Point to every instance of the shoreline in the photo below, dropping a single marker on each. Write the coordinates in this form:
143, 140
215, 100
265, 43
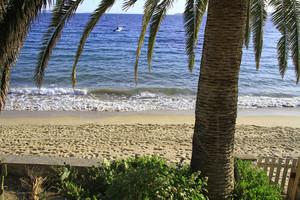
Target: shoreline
288, 111
286, 117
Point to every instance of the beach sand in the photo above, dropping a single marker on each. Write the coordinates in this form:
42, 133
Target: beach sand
122, 136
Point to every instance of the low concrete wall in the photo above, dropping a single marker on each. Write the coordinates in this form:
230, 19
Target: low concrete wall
17, 165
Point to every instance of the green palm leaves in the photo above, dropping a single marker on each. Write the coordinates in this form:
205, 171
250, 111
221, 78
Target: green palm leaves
16, 17
149, 8
286, 19
154, 11
128, 3
63, 11
258, 19
98, 13
193, 15
157, 17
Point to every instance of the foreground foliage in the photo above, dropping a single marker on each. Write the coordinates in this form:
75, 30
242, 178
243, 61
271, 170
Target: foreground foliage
141, 178
152, 178
254, 183
133, 178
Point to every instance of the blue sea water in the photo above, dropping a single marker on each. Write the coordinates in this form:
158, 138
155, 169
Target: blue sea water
105, 72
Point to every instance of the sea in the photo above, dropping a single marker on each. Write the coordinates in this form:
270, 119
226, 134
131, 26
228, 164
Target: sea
106, 77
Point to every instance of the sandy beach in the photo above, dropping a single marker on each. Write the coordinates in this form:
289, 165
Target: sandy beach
121, 136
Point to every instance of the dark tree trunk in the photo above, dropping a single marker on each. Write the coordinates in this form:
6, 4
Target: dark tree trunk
216, 106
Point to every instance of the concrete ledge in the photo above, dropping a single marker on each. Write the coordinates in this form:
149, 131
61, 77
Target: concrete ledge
246, 157
16, 165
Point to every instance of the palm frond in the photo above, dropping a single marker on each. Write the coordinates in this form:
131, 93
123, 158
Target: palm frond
283, 53
279, 18
16, 18
15, 23
293, 29
128, 4
149, 8
62, 13
258, 20
201, 6
248, 25
95, 17
193, 15
157, 18
286, 19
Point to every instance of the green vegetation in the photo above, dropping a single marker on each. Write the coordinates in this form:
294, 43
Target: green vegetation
133, 178
152, 178
254, 183
139, 178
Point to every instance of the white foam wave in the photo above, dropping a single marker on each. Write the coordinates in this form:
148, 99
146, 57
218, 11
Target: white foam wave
268, 102
65, 99
47, 91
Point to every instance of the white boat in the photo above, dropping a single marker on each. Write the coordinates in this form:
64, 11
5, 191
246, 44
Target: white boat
119, 28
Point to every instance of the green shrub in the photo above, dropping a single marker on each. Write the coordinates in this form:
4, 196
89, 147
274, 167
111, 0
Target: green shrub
254, 184
136, 178
71, 185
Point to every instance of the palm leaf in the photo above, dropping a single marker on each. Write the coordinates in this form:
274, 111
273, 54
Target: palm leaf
286, 19
248, 25
293, 29
193, 15
258, 20
95, 17
157, 18
283, 53
15, 20
128, 4
62, 13
149, 8
279, 20
200, 11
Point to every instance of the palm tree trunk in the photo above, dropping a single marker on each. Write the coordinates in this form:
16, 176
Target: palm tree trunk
216, 106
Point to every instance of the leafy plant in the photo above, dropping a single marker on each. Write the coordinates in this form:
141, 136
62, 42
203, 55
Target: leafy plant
254, 184
70, 184
137, 178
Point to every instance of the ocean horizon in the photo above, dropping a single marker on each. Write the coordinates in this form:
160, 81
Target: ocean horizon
105, 72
